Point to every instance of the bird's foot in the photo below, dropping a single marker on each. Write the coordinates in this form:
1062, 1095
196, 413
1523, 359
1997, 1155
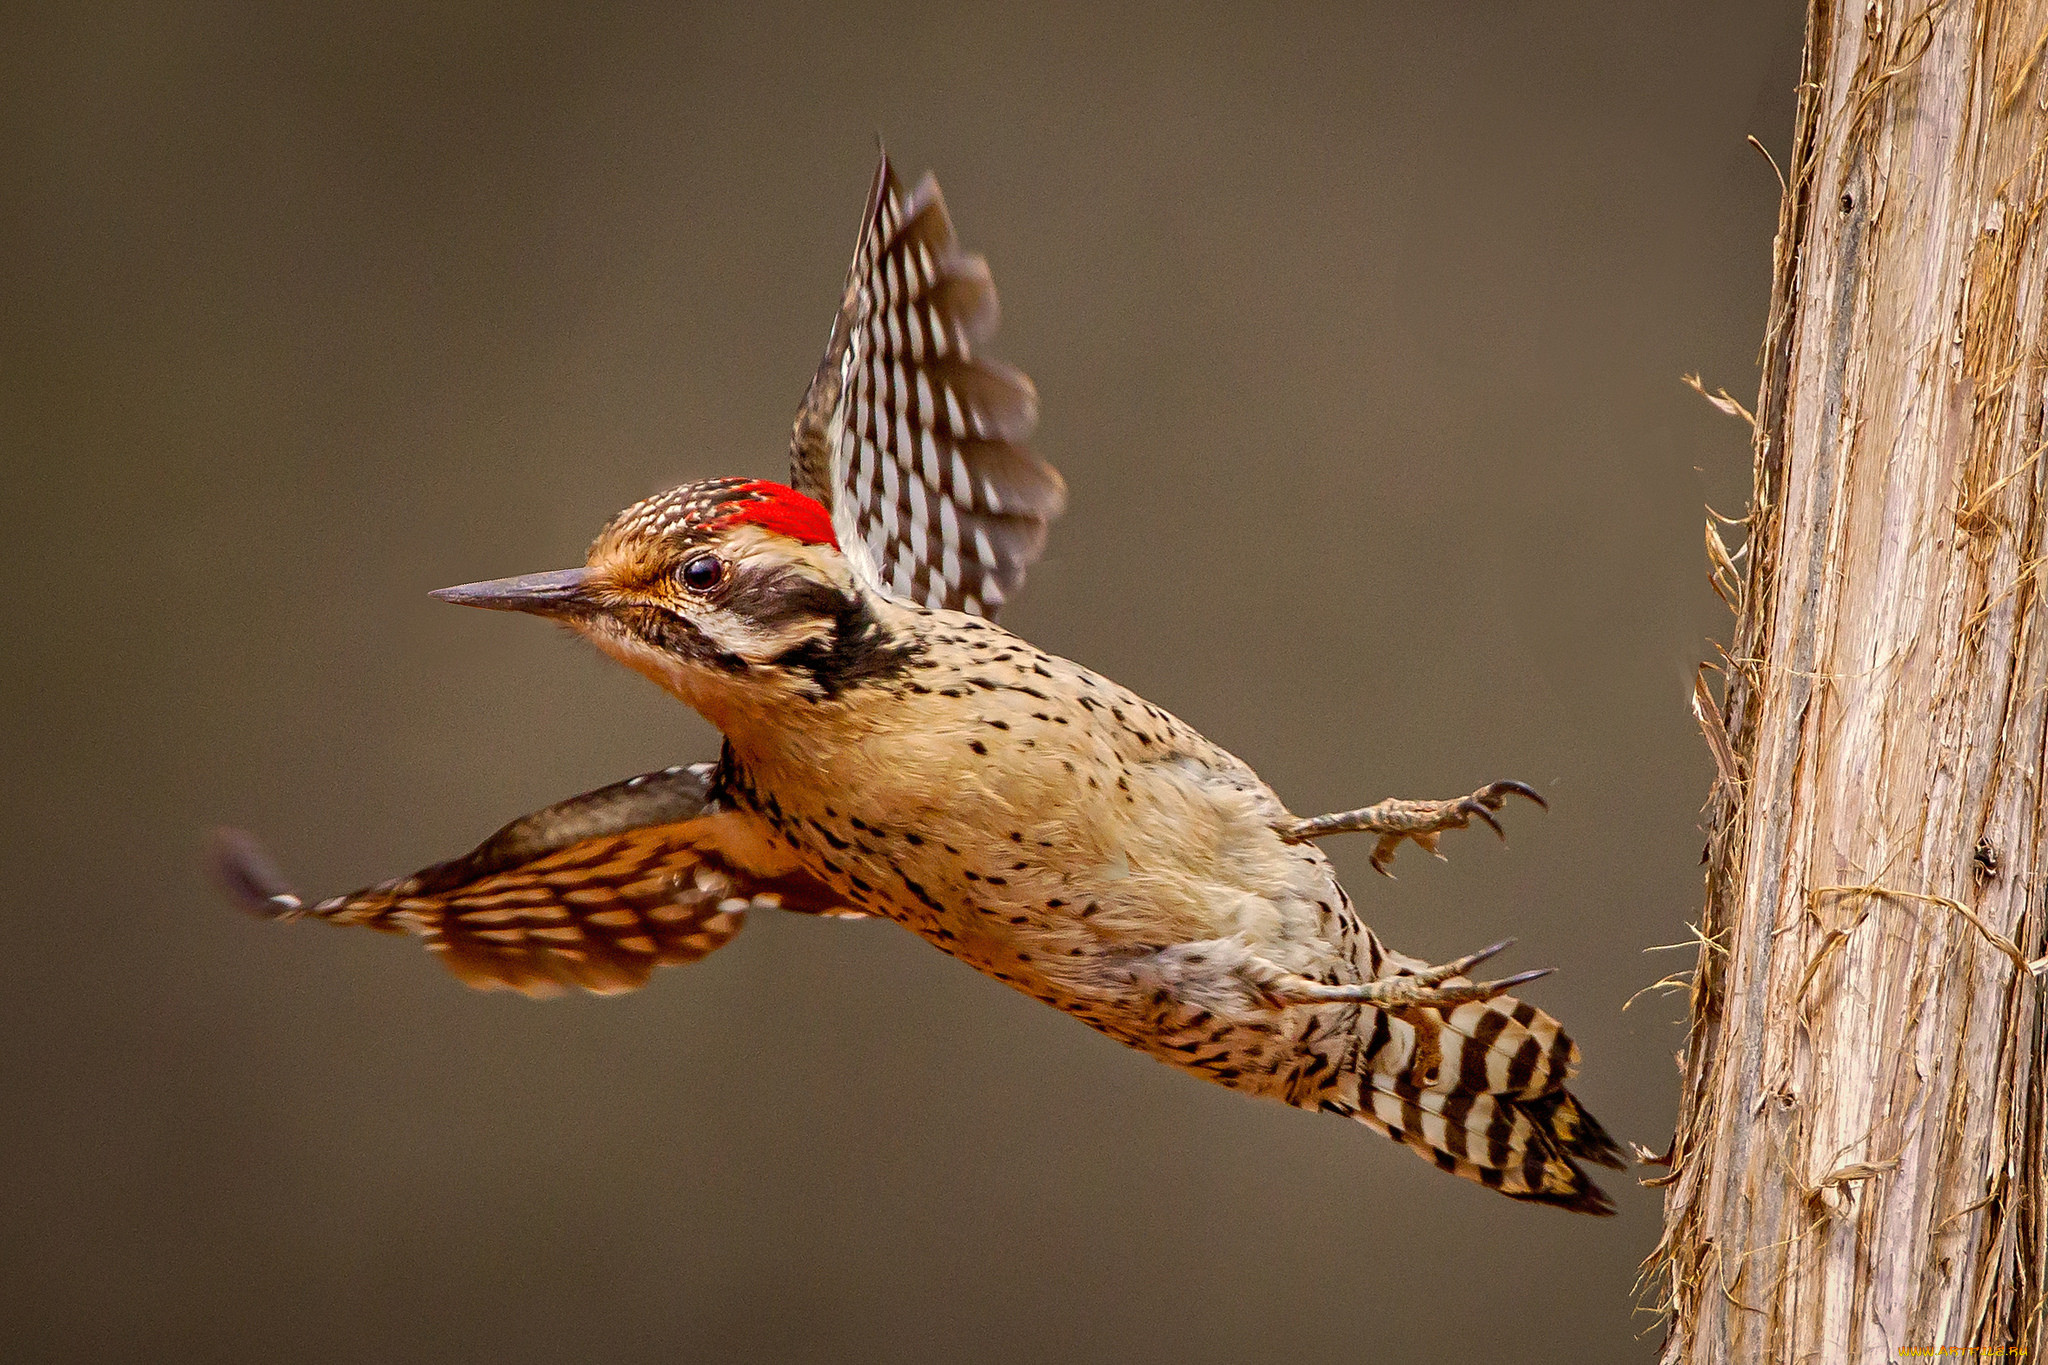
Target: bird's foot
1421, 821
1431, 988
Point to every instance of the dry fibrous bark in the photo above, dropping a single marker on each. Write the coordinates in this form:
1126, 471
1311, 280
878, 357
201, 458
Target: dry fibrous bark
1860, 1170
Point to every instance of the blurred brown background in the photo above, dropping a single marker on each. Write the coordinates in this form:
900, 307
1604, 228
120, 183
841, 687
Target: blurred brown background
1358, 333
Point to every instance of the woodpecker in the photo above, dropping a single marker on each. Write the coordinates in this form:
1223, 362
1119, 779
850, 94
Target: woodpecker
890, 751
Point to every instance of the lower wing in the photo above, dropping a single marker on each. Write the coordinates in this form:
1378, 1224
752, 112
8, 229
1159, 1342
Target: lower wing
593, 892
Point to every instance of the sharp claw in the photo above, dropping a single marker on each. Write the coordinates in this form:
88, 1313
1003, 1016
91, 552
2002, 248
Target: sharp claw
1501, 789
244, 870
1508, 983
1471, 960
1487, 815
1436, 976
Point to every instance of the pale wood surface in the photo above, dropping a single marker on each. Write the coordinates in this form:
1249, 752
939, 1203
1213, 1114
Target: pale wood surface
1858, 1173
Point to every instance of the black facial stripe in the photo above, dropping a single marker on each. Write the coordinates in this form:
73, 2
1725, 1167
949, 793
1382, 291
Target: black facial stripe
777, 598
854, 648
864, 654
668, 631
849, 645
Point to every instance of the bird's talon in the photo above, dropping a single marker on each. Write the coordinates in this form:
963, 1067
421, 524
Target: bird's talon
1499, 791
1508, 983
1430, 976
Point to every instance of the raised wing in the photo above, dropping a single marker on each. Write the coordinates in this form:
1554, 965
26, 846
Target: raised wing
595, 891
913, 441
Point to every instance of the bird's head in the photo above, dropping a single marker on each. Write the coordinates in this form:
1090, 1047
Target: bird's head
731, 593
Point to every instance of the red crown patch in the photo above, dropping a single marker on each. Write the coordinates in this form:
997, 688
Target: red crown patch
779, 509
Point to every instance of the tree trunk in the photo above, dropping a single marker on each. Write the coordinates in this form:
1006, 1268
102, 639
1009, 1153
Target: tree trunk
1859, 1169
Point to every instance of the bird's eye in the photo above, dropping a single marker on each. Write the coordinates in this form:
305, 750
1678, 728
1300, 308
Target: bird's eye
703, 573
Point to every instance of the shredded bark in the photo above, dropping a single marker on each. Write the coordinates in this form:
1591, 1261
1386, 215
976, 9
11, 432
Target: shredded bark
1860, 1167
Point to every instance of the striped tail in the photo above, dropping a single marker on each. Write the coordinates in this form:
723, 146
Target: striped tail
1479, 1090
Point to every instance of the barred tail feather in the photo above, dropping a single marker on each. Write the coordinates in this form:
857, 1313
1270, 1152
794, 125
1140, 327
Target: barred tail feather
1479, 1090
1575, 1132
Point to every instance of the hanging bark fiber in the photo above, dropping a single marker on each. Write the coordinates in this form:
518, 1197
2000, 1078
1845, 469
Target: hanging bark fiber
1858, 1171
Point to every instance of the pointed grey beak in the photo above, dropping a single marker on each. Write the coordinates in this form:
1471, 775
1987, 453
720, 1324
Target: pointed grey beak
544, 594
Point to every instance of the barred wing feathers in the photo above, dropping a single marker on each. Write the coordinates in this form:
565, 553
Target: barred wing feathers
593, 892
914, 441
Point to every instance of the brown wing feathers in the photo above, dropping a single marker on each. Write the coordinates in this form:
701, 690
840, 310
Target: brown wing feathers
913, 440
594, 892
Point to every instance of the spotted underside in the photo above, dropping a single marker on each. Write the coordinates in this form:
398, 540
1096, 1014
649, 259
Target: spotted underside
593, 892
915, 442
